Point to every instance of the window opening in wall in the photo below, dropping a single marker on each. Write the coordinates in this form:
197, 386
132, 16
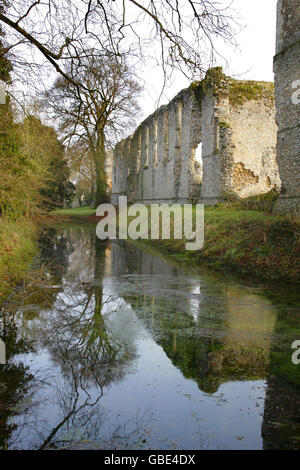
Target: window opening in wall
199, 160
138, 161
146, 147
155, 143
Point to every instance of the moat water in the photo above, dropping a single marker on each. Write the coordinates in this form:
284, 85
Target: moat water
120, 348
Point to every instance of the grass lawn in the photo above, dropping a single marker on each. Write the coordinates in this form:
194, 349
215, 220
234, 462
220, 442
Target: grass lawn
80, 211
223, 213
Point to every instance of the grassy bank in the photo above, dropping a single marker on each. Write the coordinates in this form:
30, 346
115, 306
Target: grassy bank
17, 249
250, 242
247, 242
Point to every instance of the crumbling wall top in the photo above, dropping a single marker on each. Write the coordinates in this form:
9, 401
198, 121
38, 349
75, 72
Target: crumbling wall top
237, 91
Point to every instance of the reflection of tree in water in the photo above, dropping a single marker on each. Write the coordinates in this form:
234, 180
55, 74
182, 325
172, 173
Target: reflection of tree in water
54, 250
76, 330
89, 356
51, 263
71, 326
16, 382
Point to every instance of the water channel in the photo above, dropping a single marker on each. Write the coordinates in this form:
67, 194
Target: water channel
120, 348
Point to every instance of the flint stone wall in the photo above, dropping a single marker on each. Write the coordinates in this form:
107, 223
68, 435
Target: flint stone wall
287, 74
235, 122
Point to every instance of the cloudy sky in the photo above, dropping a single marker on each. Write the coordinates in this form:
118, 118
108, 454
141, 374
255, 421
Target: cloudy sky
252, 59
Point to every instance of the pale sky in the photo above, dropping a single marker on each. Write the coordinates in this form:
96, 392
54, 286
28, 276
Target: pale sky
253, 59
257, 40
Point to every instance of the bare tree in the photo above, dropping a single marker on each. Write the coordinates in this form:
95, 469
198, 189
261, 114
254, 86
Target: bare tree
95, 113
86, 41
178, 33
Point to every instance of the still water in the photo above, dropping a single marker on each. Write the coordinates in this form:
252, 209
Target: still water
118, 348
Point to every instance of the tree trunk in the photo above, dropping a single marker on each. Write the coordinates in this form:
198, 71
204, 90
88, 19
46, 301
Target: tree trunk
100, 173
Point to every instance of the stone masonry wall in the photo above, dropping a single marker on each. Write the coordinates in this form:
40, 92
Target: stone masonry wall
156, 163
287, 73
235, 122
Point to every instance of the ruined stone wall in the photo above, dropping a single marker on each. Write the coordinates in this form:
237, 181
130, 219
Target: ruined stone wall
235, 122
160, 156
247, 138
287, 73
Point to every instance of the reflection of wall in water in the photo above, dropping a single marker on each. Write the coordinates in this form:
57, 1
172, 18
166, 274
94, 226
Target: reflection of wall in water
81, 261
127, 258
251, 318
212, 333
